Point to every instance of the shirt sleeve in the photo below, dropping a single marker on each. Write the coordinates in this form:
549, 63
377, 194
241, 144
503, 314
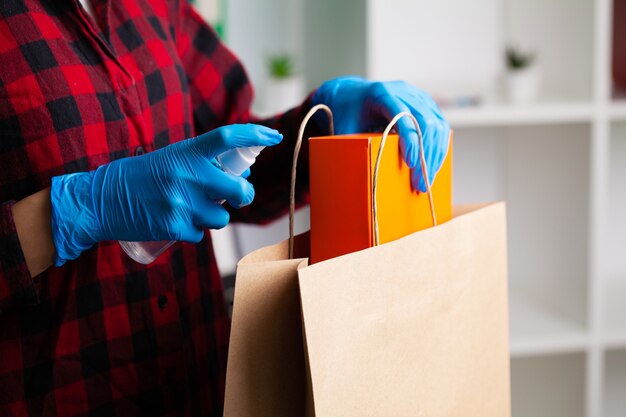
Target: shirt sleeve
16, 285
221, 94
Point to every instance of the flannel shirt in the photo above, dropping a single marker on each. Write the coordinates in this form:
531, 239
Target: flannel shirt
103, 335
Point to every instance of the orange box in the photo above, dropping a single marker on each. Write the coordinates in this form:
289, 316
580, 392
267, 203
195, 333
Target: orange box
341, 173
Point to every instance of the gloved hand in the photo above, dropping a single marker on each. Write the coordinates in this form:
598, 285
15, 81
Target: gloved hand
360, 106
169, 194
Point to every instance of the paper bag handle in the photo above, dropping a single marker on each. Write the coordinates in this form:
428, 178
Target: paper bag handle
424, 171
296, 153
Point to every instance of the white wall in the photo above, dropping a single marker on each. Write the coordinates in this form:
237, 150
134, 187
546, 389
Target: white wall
448, 47
563, 50
258, 29
334, 39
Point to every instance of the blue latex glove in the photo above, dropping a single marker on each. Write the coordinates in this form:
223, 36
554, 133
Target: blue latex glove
169, 194
360, 106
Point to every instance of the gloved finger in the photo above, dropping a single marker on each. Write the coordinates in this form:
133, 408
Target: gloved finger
437, 149
246, 173
249, 198
443, 144
431, 163
436, 143
219, 185
435, 136
429, 146
181, 228
389, 106
416, 178
218, 141
191, 234
409, 143
209, 214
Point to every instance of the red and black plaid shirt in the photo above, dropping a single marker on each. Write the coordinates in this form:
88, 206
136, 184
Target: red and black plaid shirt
103, 335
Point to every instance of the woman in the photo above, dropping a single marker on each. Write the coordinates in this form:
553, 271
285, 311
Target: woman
96, 101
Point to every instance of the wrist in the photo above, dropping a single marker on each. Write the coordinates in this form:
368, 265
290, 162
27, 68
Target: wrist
31, 216
75, 224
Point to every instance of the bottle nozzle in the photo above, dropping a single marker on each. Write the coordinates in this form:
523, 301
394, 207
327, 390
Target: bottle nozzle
236, 161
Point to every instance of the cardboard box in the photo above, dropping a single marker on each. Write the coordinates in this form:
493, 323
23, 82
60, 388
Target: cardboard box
341, 174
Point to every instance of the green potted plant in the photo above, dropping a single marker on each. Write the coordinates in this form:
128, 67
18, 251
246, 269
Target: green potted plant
281, 66
522, 80
284, 89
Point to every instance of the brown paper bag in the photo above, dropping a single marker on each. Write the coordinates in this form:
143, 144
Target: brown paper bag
413, 327
266, 369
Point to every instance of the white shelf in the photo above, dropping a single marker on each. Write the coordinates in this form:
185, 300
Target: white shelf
507, 115
617, 110
556, 112
540, 329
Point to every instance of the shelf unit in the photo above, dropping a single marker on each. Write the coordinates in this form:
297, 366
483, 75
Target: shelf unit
615, 383
537, 329
525, 165
559, 163
509, 115
613, 313
561, 391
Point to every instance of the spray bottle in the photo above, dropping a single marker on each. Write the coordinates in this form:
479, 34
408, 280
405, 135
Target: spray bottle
235, 162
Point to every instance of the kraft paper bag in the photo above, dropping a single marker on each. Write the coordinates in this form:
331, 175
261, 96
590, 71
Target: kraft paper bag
266, 369
414, 327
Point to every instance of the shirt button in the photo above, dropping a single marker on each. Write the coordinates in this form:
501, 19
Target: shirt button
139, 150
162, 301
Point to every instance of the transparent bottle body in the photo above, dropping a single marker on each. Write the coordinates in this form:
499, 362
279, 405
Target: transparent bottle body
145, 252
234, 162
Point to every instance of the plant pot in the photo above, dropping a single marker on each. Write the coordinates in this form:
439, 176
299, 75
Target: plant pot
523, 85
282, 94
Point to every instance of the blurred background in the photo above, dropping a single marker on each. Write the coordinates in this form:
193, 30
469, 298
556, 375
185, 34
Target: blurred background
534, 92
